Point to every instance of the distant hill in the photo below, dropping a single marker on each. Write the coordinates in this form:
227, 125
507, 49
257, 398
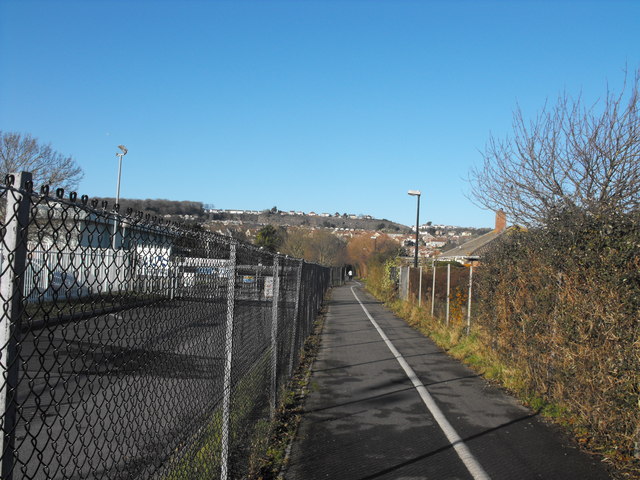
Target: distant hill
288, 219
159, 207
196, 212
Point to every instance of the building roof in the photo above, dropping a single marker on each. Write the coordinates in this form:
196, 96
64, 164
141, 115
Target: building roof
473, 248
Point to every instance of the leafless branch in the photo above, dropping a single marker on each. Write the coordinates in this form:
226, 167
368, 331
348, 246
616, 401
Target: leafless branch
24, 153
570, 156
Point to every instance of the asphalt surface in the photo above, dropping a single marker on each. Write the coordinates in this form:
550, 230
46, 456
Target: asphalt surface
365, 419
115, 395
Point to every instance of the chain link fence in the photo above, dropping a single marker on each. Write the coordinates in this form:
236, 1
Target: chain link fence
133, 348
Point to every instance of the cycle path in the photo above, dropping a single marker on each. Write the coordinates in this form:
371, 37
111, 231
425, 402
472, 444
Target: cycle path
403, 409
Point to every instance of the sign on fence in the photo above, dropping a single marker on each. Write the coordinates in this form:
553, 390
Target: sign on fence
268, 287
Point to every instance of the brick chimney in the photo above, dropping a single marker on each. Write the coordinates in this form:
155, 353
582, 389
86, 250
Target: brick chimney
501, 221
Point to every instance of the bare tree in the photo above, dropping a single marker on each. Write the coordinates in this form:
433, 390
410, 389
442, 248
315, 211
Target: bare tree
318, 246
570, 157
24, 153
295, 242
325, 248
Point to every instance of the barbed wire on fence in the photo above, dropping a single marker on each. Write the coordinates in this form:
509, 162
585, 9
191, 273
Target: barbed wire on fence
136, 348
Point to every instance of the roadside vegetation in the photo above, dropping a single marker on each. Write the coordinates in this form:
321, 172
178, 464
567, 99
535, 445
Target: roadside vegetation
268, 460
558, 330
556, 319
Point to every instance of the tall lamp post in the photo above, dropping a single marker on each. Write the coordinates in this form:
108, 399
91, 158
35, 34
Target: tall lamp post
416, 193
123, 151
120, 155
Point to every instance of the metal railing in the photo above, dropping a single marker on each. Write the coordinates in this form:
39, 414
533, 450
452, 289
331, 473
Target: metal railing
446, 292
132, 348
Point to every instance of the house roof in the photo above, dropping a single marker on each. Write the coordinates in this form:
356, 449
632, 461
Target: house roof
473, 248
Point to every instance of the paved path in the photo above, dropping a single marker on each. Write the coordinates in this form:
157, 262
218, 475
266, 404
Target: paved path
365, 418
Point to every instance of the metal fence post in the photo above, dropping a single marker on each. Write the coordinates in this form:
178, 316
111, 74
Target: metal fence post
448, 290
11, 291
228, 354
469, 301
420, 287
404, 283
274, 334
294, 327
433, 287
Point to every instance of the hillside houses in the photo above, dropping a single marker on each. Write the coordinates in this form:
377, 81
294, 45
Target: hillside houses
217, 211
246, 224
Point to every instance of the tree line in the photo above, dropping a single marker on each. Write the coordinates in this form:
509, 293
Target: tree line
160, 207
323, 247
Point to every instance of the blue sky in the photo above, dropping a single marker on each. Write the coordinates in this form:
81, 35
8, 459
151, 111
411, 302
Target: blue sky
305, 105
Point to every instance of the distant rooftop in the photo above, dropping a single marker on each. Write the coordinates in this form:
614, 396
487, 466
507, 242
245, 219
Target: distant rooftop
478, 246
473, 248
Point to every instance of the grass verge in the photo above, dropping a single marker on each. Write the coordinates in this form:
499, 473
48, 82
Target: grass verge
473, 351
267, 441
200, 459
270, 464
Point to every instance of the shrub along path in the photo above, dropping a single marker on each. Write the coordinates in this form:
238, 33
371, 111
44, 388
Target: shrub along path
373, 415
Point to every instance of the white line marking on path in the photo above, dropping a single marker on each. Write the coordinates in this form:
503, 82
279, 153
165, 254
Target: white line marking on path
474, 468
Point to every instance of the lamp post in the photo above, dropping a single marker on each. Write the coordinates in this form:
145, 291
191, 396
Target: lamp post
120, 155
124, 151
416, 193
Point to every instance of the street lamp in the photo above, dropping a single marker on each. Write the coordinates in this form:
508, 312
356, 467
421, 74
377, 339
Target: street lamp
120, 155
416, 193
124, 151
